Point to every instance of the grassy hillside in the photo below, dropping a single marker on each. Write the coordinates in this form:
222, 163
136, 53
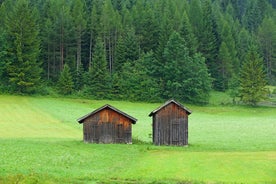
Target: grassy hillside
41, 142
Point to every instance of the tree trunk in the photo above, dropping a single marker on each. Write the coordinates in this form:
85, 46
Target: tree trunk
79, 49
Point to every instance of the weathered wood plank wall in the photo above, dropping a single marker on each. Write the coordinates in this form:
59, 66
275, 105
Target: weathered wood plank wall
170, 126
107, 126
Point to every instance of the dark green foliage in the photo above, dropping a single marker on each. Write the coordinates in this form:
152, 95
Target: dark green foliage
214, 32
181, 80
267, 40
65, 82
79, 23
208, 38
233, 86
254, 14
144, 18
131, 46
135, 83
21, 62
98, 80
78, 78
187, 33
120, 55
244, 41
3, 51
225, 67
252, 79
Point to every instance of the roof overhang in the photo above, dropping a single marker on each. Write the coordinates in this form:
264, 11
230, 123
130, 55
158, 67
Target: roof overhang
107, 106
167, 103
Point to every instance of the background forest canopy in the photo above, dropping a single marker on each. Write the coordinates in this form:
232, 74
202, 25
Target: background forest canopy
144, 50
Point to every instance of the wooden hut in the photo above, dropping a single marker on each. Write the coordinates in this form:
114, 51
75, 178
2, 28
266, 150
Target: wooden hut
170, 124
107, 125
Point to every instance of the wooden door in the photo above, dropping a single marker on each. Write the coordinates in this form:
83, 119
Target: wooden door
175, 132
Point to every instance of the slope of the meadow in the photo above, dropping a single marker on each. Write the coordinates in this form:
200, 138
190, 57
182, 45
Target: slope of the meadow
41, 142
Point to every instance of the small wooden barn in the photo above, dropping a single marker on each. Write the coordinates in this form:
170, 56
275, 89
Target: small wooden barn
170, 124
107, 125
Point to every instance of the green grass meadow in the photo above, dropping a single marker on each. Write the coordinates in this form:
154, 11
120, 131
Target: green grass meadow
41, 142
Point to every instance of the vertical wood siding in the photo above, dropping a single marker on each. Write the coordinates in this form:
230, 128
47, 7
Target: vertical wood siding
107, 126
170, 126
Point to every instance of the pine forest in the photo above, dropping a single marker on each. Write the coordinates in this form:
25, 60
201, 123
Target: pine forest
138, 50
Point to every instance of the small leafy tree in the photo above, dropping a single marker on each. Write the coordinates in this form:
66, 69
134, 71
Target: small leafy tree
252, 79
65, 82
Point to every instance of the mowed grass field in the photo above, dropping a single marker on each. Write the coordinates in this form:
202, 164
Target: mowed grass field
41, 142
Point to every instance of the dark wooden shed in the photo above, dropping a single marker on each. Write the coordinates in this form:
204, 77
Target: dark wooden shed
170, 124
107, 125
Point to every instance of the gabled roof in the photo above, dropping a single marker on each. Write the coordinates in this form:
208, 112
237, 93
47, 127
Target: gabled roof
107, 106
169, 102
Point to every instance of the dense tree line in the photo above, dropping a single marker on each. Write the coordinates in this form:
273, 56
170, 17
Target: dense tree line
144, 50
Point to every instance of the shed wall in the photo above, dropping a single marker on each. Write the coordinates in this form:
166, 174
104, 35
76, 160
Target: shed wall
170, 126
107, 126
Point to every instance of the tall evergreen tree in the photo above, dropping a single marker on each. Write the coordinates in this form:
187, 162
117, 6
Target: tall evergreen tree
224, 67
136, 83
23, 48
65, 82
181, 81
94, 27
110, 23
3, 49
196, 17
131, 45
267, 40
78, 15
254, 15
127, 49
99, 80
244, 41
188, 35
229, 40
144, 18
252, 78
208, 38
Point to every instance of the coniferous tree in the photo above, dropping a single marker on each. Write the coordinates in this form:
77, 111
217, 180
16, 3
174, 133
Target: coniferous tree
164, 18
3, 49
78, 15
78, 78
188, 35
136, 83
94, 28
144, 18
225, 67
267, 40
208, 41
244, 40
65, 82
181, 82
196, 17
120, 54
252, 79
109, 30
23, 48
98, 79
253, 16
229, 42
131, 46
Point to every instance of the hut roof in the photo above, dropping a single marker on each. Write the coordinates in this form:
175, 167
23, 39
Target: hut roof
107, 106
169, 102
